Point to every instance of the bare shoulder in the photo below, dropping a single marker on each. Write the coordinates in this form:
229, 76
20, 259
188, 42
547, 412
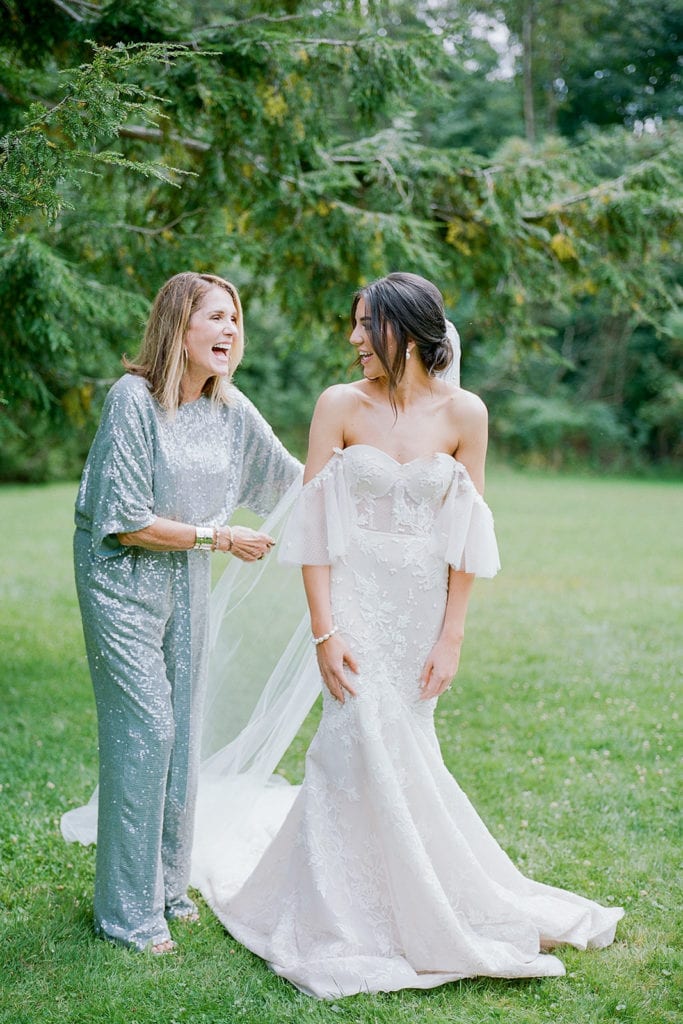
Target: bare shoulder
333, 410
338, 397
469, 424
466, 408
337, 403
472, 407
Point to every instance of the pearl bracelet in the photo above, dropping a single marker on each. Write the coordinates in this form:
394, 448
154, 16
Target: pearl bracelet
207, 539
326, 636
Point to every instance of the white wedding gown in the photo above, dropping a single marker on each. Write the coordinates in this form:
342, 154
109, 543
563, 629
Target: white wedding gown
383, 876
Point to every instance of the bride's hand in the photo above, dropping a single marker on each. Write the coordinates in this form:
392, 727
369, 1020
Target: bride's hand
440, 667
333, 655
250, 545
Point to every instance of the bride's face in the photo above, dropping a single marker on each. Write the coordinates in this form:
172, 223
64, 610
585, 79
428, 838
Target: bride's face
361, 339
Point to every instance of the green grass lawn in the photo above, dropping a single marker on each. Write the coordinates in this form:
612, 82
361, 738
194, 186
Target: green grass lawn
562, 726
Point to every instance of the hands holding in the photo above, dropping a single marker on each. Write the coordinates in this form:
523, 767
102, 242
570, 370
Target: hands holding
250, 545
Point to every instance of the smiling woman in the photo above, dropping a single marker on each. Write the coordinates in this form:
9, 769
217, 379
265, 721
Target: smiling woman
191, 315
213, 330
178, 449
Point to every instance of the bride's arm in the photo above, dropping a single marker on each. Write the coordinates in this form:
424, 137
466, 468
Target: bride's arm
444, 658
327, 433
327, 428
333, 654
473, 434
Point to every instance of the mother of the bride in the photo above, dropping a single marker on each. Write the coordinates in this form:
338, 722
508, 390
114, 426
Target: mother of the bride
178, 449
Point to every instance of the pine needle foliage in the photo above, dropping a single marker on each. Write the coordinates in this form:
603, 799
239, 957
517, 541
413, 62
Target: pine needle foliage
58, 142
287, 147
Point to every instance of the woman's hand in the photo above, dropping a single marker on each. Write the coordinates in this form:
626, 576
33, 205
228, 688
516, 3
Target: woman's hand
250, 545
440, 667
333, 655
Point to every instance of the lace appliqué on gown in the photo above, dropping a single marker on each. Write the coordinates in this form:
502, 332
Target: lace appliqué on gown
383, 876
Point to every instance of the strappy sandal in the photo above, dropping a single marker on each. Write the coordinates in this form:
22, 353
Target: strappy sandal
183, 909
191, 917
164, 948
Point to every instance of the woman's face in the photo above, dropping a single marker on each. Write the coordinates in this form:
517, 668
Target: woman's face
361, 339
210, 335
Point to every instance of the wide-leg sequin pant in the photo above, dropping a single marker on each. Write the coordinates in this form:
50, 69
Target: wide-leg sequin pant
145, 622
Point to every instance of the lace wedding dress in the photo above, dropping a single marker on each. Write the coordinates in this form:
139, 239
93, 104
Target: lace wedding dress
382, 875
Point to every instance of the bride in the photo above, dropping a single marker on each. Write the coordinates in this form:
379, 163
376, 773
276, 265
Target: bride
382, 875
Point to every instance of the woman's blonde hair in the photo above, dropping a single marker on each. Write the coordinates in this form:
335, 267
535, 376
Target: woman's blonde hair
162, 359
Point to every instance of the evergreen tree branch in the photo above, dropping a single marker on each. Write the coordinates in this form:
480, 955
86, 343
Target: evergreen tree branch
613, 186
152, 232
145, 134
128, 131
67, 10
72, 13
239, 22
60, 138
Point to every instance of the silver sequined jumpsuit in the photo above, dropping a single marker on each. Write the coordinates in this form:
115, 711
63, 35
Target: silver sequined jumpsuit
145, 621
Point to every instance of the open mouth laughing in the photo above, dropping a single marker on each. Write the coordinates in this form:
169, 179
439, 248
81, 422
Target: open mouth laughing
222, 349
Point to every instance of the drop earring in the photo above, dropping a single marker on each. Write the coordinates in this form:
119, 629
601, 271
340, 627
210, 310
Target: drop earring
407, 353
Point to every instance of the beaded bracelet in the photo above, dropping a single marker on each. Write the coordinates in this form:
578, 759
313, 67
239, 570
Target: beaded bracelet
326, 636
216, 539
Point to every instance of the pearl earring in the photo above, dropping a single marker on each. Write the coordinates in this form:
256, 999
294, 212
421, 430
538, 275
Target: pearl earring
407, 353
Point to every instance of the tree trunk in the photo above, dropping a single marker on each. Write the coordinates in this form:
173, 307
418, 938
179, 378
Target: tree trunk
556, 33
527, 34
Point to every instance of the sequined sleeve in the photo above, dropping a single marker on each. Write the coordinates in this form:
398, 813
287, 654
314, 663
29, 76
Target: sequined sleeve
267, 467
116, 492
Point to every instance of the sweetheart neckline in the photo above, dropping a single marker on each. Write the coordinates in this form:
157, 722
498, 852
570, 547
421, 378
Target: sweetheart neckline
410, 462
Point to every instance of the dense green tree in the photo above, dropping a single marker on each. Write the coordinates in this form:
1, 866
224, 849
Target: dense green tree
246, 105
603, 381
300, 151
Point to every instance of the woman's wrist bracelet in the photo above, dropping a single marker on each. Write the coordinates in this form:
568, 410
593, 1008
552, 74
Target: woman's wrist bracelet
326, 636
207, 538
204, 538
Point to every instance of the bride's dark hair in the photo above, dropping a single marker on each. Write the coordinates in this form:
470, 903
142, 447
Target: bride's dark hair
413, 307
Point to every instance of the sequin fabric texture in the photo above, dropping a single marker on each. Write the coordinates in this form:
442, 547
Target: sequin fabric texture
383, 876
145, 622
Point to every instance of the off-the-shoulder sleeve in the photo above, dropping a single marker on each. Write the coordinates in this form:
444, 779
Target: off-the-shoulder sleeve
267, 467
464, 530
317, 531
116, 492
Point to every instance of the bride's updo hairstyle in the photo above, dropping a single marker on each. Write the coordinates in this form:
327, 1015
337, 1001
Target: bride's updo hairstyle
413, 307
